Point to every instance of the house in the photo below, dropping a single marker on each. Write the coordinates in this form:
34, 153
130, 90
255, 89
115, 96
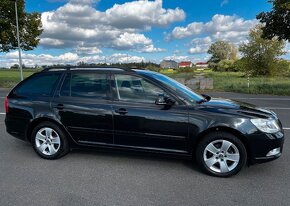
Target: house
185, 64
168, 64
201, 64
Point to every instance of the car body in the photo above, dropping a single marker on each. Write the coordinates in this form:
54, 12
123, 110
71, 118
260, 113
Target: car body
138, 110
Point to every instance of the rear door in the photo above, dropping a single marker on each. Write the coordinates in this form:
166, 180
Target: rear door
82, 106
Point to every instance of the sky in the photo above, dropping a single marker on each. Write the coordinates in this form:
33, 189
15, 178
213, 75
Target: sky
99, 31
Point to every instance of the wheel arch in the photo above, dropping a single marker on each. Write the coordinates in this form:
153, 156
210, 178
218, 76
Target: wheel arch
39, 120
232, 131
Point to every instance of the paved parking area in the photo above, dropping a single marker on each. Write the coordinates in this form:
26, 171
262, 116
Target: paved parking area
119, 178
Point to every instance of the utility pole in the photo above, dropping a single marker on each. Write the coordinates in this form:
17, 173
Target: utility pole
18, 39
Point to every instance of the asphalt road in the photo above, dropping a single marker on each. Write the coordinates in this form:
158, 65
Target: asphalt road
118, 178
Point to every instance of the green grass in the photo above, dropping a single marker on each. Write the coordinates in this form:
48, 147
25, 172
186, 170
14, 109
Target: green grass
9, 78
238, 82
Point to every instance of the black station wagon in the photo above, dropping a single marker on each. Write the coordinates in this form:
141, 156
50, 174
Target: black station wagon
59, 109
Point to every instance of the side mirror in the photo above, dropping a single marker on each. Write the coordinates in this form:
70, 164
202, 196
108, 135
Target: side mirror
206, 97
164, 100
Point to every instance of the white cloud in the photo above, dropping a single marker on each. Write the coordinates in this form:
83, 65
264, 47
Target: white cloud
202, 41
124, 58
11, 58
178, 58
142, 14
200, 45
287, 51
197, 50
88, 50
127, 40
78, 23
224, 2
82, 2
220, 25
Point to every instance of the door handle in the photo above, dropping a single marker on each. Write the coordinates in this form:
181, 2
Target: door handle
59, 106
121, 111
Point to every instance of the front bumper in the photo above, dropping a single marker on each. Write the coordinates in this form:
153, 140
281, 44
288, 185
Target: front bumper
266, 159
263, 144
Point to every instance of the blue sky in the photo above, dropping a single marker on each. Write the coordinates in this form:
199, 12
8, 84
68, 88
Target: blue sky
108, 31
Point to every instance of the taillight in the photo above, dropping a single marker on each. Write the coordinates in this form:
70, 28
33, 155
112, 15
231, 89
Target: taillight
6, 104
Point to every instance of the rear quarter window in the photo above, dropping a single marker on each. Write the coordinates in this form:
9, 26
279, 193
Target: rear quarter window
41, 84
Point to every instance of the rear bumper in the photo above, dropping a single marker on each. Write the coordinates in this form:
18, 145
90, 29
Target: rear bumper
16, 126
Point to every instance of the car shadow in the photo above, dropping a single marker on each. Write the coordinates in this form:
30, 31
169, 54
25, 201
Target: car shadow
139, 155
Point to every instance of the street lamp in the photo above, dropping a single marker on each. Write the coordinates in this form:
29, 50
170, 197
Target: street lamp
19, 49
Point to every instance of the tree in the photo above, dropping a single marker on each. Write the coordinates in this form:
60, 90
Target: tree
277, 21
260, 56
227, 66
221, 50
29, 26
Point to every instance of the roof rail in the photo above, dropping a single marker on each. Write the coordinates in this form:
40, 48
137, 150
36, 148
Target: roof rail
68, 68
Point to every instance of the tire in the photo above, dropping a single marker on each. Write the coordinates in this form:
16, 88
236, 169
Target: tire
49, 141
221, 154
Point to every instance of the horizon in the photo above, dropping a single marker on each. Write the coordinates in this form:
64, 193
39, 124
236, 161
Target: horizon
98, 31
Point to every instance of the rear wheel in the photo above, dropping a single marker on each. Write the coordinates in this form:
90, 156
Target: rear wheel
49, 141
221, 154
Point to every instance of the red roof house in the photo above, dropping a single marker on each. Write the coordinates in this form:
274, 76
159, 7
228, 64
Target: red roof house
185, 64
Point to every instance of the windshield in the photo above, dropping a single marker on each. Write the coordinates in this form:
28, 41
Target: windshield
182, 90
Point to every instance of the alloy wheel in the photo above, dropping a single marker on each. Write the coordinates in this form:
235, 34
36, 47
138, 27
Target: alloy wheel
47, 141
221, 156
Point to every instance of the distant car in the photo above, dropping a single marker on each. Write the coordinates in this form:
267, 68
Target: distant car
59, 109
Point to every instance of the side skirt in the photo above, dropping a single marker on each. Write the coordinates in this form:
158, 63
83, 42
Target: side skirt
136, 148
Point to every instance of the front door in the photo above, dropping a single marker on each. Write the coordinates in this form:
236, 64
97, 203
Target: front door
139, 122
82, 107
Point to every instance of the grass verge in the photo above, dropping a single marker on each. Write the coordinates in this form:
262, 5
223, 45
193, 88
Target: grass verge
9, 78
238, 82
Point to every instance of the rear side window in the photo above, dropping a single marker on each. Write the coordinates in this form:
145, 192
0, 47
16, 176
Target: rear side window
41, 84
89, 85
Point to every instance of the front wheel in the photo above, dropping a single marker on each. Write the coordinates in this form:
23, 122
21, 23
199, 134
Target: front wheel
49, 141
221, 154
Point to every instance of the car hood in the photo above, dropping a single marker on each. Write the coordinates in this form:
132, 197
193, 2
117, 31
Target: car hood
240, 107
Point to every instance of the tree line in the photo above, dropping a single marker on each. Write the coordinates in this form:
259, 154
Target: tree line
259, 56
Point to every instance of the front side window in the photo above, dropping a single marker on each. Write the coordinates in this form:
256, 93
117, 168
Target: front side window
181, 89
90, 85
135, 89
41, 84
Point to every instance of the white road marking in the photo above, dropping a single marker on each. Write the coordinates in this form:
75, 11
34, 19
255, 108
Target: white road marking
270, 99
286, 128
1, 113
2, 97
278, 108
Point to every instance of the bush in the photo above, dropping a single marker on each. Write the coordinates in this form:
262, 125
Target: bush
227, 66
185, 70
276, 68
283, 67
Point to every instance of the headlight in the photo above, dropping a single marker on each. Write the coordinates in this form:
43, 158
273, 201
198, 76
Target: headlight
266, 125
